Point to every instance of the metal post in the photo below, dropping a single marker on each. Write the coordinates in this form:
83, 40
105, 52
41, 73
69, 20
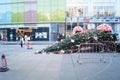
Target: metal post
77, 21
71, 24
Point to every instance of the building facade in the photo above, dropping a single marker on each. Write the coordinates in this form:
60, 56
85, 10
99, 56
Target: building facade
41, 20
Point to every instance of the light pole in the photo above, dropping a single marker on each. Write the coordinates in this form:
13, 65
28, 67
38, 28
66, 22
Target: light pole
71, 24
77, 21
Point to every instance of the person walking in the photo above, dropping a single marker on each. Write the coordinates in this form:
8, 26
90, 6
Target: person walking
26, 39
21, 41
58, 37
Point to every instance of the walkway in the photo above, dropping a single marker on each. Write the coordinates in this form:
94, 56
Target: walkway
24, 65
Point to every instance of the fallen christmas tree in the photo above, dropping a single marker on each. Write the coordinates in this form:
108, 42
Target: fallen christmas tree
91, 36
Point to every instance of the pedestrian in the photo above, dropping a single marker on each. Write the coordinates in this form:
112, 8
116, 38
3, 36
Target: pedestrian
26, 39
21, 41
58, 37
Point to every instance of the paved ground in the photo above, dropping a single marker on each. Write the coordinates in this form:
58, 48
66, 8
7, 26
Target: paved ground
24, 65
31, 42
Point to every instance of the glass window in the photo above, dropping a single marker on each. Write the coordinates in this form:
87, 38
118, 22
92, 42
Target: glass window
30, 12
5, 13
41, 14
5, 1
34, 12
14, 13
51, 10
18, 12
14, 0
54, 10
54, 2
104, 11
61, 10
17, 1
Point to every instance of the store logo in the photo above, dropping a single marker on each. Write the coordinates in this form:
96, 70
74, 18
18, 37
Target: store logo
40, 35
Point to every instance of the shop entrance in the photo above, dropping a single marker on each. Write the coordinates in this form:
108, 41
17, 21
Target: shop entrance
41, 34
23, 32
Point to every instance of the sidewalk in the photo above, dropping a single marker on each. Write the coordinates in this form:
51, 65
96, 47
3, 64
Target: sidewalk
31, 42
24, 65
60, 67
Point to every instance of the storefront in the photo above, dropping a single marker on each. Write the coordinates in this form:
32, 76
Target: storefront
36, 32
111, 22
41, 20
41, 34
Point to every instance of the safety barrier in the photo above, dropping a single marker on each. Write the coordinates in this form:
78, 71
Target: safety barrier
85, 50
96, 47
4, 66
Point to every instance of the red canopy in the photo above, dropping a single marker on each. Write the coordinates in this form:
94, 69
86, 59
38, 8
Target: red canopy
77, 29
105, 27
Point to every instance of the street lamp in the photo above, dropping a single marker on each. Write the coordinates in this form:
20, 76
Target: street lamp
71, 24
77, 21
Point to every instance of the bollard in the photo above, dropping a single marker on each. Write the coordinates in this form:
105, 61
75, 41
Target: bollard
4, 67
